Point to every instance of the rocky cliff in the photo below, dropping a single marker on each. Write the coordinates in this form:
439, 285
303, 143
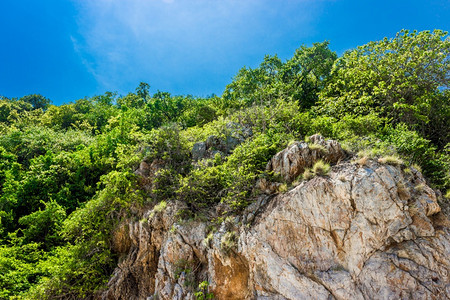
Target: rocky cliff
366, 230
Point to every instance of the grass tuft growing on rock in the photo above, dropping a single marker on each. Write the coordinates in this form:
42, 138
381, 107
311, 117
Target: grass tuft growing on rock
229, 241
318, 147
362, 161
417, 167
283, 188
420, 187
390, 160
307, 174
321, 168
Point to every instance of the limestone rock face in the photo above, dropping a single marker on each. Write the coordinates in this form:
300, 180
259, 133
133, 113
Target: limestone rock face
362, 232
292, 161
357, 234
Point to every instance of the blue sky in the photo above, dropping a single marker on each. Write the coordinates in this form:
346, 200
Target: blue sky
66, 50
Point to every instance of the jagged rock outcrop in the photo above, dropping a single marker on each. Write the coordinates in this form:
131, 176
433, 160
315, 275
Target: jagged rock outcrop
234, 135
369, 231
147, 172
291, 162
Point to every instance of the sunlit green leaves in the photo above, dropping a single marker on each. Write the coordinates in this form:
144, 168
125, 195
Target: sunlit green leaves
404, 79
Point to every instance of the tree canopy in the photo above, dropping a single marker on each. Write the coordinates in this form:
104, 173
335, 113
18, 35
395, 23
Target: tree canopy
405, 79
67, 173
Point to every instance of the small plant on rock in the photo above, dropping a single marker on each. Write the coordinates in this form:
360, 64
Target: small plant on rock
362, 161
367, 153
321, 168
202, 293
229, 241
307, 174
407, 171
390, 160
157, 209
342, 178
207, 240
447, 194
420, 187
318, 147
417, 167
282, 188
402, 190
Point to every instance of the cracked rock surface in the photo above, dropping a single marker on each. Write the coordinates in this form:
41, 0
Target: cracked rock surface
362, 232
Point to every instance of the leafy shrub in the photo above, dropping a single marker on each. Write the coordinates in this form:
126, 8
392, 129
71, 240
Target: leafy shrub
85, 263
169, 146
203, 187
202, 291
403, 79
67, 172
19, 267
43, 226
199, 113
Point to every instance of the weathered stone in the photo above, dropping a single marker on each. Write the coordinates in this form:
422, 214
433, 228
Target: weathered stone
235, 134
292, 161
199, 151
362, 232
147, 173
268, 187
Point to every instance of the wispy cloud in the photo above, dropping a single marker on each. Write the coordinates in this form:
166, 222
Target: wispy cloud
175, 43
82, 55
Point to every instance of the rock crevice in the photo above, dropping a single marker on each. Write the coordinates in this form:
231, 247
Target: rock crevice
361, 232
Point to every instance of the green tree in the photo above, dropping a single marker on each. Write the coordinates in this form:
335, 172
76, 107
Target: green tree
43, 226
132, 101
163, 109
405, 78
299, 78
307, 72
37, 101
251, 86
11, 111
143, 90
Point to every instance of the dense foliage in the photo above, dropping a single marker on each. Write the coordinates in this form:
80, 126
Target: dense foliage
67, 172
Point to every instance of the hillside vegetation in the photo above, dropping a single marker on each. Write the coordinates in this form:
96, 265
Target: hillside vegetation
67, 173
